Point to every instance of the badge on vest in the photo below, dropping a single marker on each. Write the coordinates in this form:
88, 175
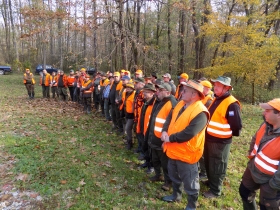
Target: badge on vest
231, 113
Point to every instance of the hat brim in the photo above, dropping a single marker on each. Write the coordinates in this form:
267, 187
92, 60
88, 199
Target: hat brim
200, 93
215, 80
266, 106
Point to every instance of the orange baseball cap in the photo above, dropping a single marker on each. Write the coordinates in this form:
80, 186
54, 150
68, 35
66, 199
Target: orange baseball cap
139, 71
206, 83
273, 104
184, 76
116, 74
123, 71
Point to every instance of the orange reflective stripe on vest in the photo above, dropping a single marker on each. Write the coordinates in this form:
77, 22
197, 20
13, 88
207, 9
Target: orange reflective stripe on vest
267, 159
189, 151
161, 118
218, 125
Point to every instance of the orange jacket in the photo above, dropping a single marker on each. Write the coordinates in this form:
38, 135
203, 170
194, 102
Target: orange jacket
177, 94
268, 157
47, 80
70, 81
128, 102
138, 103
206, 100
190, 151
161, 118
32, 79
218, 125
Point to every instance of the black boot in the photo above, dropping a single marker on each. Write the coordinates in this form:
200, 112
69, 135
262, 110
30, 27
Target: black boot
29, 94
192, 201
129, 144
176, 195
249, 205
88, 109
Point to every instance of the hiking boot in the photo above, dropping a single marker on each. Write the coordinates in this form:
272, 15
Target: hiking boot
202, 176
209, 194
167, 186
156, 178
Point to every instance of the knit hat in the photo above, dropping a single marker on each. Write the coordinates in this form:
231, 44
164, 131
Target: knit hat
194, 85
273, 104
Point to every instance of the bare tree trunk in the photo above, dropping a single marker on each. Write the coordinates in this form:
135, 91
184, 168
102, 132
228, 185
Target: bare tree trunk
122, 33
13, 32
94, 35
5, 15
169, 36
85, 33
181, 40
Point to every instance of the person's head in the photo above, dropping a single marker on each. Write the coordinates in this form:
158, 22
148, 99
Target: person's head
163, 90
148, 80
207, 86
71, 72
116, 76
154, 77
58, 72
129, 87
125, 79
110, 74
45, 71
183, 77
272, 112
139, 83
103, 75
192, 92
138, 73
87, 77
166, 77
149, 91
53, 73
221, 85
61, 72
122, 72
111, 78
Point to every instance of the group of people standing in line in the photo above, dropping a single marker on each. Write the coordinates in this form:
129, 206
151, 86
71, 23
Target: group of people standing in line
183, 133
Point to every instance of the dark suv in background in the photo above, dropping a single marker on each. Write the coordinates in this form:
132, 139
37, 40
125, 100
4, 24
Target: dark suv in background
49, 68
5, 70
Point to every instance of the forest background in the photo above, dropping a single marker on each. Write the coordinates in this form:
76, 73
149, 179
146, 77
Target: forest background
207, 38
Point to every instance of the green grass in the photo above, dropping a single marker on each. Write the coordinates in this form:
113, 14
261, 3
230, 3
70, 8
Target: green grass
72, 161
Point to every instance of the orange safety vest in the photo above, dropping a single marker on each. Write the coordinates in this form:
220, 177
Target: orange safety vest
33, 81
161, 118
47, 79
53, 79
119, 86
146, 118
190, 151
70, 81
267, 159
129, 102
138, 103
218, 125
90, 90
177, 95
207, 97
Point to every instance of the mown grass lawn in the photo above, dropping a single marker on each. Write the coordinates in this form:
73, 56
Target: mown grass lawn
73, 162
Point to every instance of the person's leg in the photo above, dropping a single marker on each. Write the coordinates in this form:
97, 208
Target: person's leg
157, 166
118, 119
217, 160
48, 91
113, 115
128, 129
247, 191
176, 182
44, 91
32, 91
27, 86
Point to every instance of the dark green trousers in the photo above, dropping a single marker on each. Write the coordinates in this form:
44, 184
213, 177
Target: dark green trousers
216, 160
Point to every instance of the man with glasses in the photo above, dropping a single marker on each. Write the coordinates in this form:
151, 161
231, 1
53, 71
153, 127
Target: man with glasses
183, 136
225, 122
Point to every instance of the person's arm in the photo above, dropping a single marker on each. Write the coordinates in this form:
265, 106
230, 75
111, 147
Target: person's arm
196, 125
234, 119
274, 182
167, 122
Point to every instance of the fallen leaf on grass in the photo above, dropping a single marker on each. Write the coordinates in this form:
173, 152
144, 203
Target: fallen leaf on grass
78, 189
22, 177
63, 181
5, 197
82, 182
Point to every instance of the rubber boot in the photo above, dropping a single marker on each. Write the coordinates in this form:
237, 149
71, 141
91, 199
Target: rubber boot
129, 144
176, 195
192, 202
249, 205
88, 109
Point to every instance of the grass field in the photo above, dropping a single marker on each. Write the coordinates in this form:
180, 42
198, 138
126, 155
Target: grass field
74, 163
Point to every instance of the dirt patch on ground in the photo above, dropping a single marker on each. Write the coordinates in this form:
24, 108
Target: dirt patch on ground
12, 198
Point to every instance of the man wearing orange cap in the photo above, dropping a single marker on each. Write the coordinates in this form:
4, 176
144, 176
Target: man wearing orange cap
207, 86
29, 82
87, 90
182, 78
225, 122
138, 73
262, 170
183, 135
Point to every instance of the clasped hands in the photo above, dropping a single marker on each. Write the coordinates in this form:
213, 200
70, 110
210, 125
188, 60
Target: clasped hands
164, 137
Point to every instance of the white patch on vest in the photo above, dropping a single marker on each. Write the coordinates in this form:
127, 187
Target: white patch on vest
231, 113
